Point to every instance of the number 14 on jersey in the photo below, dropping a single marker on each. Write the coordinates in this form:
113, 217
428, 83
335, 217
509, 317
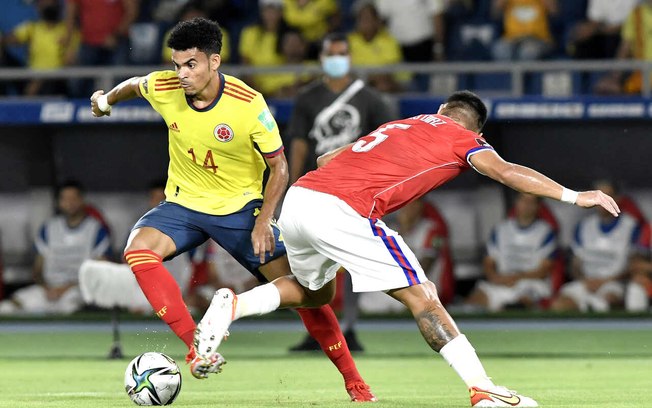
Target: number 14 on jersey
209, 163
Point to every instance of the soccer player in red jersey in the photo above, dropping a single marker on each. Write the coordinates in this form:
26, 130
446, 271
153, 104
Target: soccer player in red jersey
331, 217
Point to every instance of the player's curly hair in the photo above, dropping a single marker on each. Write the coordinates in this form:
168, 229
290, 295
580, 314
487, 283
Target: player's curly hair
471, 103
200, 33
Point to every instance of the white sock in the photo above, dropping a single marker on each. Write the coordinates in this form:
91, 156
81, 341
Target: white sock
257, 301
636, 298
460, 355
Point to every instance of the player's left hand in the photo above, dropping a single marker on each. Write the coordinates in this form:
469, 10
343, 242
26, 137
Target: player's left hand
262, 238
592, 198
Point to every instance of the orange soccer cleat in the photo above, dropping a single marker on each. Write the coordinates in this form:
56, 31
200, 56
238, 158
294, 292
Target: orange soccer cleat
359, 391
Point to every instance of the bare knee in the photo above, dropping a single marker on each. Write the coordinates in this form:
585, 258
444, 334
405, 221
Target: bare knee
150, 239
418, 297
293, 294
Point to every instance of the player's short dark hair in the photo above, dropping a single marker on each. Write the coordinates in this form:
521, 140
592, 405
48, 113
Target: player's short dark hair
200, 33
70, 183
471, 103
334, 37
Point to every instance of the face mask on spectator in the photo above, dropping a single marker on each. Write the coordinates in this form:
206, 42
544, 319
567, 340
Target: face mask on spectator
336, 66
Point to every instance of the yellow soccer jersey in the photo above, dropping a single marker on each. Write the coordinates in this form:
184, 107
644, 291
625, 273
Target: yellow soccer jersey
216, 153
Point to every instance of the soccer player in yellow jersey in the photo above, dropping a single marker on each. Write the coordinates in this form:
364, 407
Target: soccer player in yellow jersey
222, 137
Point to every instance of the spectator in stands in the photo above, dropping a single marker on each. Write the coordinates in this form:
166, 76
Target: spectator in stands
104, 26
328, 113
519, 260
636, 43
602, 247
372, 45
62, 244
313, 18
190, 10
260, 45
333, 110
418, 26
47, 44
598, 36
526, 29
294, 49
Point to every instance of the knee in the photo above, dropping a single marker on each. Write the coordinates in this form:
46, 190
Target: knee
420, 297
135, 245
319, 298
150, 239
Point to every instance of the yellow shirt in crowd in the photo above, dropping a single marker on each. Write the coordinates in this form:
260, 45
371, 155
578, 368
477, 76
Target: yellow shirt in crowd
44, 43
637, 31
311, 19
525, 18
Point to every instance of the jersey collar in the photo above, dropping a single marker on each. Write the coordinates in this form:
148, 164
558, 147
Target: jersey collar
215, 101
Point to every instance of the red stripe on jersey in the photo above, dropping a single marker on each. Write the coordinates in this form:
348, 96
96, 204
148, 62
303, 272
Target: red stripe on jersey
236, 96
275, 152
252, 94
162, 80
167, 88
237, 91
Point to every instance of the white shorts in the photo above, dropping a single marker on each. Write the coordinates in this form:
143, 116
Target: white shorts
499, 296
322, 232
594, 301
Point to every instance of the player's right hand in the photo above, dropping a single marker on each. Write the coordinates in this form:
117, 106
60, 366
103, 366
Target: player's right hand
95, 109
592, 198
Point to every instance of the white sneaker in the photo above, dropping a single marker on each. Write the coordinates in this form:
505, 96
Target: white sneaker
214, 326
498, 396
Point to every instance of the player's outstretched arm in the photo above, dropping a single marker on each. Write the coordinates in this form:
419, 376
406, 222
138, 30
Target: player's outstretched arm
527, 180
101, 103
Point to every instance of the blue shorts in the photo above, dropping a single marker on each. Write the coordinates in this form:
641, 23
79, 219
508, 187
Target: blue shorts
189, 229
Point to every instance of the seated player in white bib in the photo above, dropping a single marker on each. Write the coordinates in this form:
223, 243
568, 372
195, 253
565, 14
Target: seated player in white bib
602, 247
519, 260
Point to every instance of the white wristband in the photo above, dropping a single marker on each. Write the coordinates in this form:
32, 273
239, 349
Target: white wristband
103, 104
569, 196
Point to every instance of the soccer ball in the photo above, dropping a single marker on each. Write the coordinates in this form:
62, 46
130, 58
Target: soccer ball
152, 379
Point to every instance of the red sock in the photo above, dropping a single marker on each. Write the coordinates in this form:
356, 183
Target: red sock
323, 327
162, 292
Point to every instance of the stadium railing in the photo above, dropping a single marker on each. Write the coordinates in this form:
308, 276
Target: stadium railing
106, 77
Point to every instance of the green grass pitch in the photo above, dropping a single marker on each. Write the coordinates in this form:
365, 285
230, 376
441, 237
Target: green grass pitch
605, 367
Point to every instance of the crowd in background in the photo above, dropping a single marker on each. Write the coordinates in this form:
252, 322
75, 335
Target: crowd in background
51, 34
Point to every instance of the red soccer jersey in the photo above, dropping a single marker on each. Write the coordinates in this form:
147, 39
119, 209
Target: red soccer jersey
397, 163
